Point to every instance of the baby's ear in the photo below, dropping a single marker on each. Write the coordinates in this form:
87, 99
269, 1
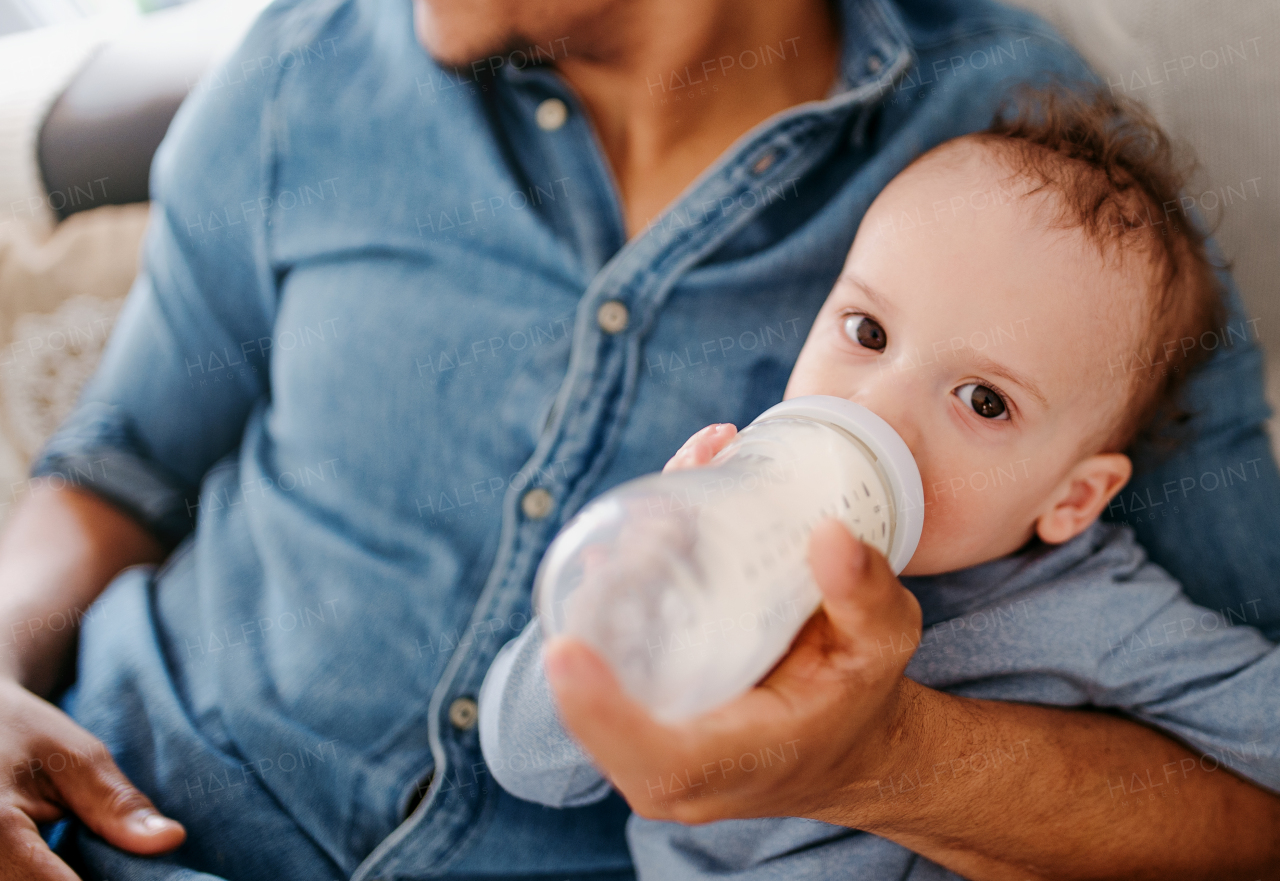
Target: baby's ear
1080, 497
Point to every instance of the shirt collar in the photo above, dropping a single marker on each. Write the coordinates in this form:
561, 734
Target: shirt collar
951, 594
875, 50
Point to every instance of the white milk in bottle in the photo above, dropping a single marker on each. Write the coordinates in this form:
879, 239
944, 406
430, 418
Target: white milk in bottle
693, 584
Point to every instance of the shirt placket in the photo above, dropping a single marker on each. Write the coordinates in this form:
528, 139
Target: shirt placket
580, 436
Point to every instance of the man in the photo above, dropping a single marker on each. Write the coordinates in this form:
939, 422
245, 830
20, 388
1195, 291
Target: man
399, 319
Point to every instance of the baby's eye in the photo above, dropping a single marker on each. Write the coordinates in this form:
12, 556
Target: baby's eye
866, 332
985, 401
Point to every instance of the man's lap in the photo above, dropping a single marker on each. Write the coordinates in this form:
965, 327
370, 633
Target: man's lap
124, 697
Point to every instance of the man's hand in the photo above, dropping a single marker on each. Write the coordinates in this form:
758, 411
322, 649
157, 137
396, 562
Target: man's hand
836, 720
51, 765
819, 723
58, 551
799, 743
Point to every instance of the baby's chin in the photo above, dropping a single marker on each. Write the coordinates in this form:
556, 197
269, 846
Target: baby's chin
938, 552
919, 566
938, 557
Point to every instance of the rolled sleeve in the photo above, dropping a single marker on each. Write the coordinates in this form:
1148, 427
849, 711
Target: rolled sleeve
93, 450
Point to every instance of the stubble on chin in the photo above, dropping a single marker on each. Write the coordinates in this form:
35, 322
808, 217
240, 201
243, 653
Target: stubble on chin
593, 30
459, 51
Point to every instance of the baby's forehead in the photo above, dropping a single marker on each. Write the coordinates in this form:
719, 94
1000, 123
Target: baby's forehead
987, 174
1094, 186
1011, 254
989, 162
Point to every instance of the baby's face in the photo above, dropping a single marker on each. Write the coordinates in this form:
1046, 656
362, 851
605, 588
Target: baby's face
986, 339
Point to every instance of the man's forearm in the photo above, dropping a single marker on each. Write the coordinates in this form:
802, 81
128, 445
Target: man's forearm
998, 791
59, 550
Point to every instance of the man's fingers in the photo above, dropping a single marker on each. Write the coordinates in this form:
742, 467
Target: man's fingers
24, 856
105, 801
859, 590
595, 708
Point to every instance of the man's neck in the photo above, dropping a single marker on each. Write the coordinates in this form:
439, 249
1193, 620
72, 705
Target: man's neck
670, 84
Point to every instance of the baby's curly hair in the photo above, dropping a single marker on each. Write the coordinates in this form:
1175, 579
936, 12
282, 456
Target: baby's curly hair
1119, 178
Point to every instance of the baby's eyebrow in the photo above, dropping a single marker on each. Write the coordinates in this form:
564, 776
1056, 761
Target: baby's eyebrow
879, 300
983, 364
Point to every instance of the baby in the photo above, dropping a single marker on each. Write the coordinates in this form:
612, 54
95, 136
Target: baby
1055, 226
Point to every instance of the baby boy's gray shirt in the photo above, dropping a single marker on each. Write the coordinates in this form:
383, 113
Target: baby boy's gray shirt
1090, 622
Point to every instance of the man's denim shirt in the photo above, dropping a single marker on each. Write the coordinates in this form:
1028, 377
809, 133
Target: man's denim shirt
390, 334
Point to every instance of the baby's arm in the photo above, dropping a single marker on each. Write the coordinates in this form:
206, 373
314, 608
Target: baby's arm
526, 749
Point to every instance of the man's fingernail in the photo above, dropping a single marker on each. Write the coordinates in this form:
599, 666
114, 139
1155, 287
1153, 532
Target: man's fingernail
152, 823
722, 428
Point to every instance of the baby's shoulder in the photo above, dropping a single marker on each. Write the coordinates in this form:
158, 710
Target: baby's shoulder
1061, 601
1105, 563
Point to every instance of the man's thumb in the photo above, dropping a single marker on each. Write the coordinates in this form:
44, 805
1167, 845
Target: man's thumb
594, 707
103, 798
859, 590
587, 693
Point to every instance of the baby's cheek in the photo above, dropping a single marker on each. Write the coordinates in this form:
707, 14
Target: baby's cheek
964, 519
944, 526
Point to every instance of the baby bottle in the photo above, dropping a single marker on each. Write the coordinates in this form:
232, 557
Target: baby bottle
692, 584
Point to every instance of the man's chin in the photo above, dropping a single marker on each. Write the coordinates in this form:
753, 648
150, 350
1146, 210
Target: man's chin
457, 39
461, 59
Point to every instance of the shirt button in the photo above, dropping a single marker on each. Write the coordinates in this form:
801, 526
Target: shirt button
874, 63
551, 114
463, 713
612, 316
536, 503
